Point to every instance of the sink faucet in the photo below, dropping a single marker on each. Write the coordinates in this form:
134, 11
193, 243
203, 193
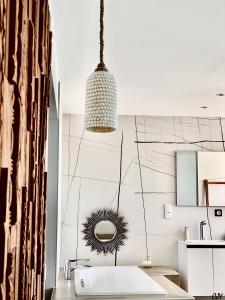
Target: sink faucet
202, 224
68, 267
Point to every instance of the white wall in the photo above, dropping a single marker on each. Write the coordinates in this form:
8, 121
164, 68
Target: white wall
90, 175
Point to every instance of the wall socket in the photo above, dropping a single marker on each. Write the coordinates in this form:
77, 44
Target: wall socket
218, 212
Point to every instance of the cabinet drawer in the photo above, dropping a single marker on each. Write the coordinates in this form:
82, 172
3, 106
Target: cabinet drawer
219, 270
200, 272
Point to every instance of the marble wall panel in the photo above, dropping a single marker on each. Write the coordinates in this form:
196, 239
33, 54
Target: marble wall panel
90, 181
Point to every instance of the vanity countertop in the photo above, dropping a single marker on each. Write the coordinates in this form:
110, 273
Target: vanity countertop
204, 243
65, 288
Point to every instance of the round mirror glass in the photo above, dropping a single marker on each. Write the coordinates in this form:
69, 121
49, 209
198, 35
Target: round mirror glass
105, 231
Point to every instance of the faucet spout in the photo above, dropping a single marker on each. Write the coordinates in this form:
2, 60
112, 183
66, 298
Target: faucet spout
68, 267
202, 224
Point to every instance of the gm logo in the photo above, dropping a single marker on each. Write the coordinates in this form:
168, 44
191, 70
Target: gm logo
217, 295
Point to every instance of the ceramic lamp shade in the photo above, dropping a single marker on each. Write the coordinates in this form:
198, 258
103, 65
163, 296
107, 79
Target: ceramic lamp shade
101, 102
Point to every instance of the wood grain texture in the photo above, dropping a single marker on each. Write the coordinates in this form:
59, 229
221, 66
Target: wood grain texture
25, 57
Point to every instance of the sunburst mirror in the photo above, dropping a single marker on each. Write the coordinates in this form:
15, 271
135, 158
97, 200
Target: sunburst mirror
105, 231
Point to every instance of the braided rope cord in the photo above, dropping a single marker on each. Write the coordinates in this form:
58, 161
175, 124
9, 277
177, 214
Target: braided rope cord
101, 66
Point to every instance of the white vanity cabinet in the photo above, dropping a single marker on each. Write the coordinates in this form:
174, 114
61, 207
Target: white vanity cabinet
202, 267
219, 263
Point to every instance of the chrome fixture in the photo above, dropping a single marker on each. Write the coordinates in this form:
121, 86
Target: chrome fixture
202, 224
82, 283
68, 267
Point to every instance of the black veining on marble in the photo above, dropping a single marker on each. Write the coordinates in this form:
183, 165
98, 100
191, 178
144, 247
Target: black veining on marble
179, 143
221, 128
120, 173
155, 170
94, 141
120, 178
68, 173
209, 223
196, 127
122, 182
77, 218
142, 190
97, 179
155, 193
183, 140
161, 153
73, 177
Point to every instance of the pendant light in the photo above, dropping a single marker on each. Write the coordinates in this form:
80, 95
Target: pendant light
101, 93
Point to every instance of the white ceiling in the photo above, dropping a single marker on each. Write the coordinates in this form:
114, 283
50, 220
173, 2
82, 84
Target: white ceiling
168, 56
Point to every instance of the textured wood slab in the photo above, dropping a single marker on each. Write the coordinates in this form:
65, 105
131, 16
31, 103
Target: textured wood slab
25, 51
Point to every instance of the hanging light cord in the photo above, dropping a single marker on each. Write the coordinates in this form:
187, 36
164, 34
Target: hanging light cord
102, 31
101, 66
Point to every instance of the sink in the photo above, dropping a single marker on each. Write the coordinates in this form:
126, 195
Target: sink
204, 242
115, 281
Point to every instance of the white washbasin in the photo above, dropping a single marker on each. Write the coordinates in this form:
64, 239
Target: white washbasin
115, 281
205, 242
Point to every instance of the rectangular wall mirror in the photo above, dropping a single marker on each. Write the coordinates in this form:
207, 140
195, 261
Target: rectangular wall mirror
200, 178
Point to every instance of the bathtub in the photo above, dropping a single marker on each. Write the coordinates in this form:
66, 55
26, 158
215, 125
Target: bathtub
115, 281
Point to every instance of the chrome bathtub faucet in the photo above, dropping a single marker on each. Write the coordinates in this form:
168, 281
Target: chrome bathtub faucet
202, 224
68, 267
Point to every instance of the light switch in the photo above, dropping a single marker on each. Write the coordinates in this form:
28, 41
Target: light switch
168, 211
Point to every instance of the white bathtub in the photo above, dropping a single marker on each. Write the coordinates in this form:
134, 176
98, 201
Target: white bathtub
115, 281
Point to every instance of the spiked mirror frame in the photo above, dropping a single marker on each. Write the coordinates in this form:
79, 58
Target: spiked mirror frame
116, 242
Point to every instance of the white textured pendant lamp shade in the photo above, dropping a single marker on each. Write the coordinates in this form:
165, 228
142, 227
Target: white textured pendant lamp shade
101, 102
101, 94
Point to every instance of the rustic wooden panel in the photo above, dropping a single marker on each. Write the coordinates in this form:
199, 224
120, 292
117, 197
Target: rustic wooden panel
25, 52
